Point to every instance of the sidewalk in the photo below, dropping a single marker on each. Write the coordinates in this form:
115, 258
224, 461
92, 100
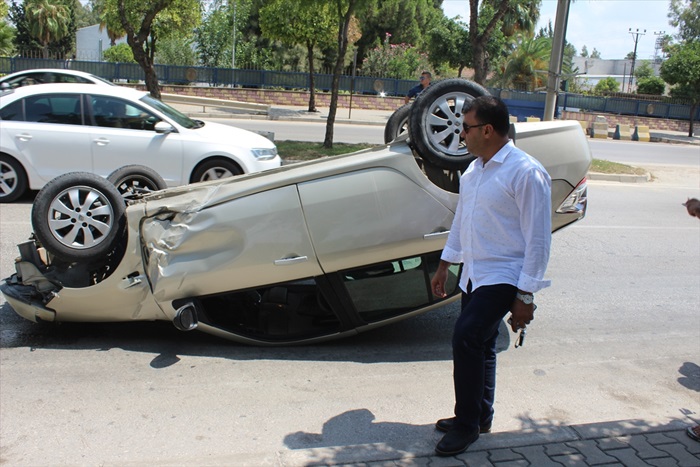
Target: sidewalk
625, 443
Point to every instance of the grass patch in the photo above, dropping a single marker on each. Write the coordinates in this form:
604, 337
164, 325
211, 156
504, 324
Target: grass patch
607, 167
302, 151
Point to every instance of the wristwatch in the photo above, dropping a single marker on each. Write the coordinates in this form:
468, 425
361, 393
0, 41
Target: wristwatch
526, 298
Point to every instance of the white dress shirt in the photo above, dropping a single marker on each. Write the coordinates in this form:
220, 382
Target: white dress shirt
502, 227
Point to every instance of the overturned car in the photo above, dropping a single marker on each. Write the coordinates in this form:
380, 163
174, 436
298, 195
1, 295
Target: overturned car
298, 254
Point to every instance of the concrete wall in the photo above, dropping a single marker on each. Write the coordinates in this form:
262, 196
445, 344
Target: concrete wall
90, 42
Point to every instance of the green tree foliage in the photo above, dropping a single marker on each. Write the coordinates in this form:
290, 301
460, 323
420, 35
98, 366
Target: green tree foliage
682, 71
44, 25
7, 32
176, 50
448, 44
643, 70
84, 15
145, 22
607, 85
402, 61
525, 68
408, 22
120, 53
651, 85
308, 23
685, 15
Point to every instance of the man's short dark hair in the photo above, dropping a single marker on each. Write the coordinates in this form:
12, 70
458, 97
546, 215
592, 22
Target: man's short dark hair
490, 110
427, 73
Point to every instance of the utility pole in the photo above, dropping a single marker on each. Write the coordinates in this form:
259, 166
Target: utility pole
636, 35
560, 22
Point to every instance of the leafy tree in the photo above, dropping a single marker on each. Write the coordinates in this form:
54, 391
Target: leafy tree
682, 70
651, 85
308, 23
213, 36
584, 51
344, 15
595, 53
7, 32
685, 15
402, 61
176, 50
84, 15
448, 42
607, 85
643, 70
48, 21
120, 53
523, 68
521, 18
144, 23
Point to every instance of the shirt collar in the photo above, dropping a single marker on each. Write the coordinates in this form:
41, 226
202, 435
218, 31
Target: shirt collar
502, 153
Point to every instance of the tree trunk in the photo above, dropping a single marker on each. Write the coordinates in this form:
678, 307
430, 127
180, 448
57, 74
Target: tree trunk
340, 60
146, 64
480, 64
693, 108
312, 79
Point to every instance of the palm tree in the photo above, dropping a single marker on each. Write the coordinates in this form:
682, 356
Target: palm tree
524, 68
48, 21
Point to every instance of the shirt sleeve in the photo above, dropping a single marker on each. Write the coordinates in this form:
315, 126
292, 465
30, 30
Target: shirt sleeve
534, 200
452, 253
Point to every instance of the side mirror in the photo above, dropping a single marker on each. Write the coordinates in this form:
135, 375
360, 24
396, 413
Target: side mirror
164, 128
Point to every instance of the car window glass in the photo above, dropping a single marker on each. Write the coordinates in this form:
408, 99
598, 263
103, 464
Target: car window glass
54, 108
110, 112
392, 288
12, 112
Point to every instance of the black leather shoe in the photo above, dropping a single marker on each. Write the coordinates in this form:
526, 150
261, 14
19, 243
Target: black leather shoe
456, 441
445, 424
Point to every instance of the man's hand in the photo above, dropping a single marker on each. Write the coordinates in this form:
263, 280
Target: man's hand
437, 284
521, 315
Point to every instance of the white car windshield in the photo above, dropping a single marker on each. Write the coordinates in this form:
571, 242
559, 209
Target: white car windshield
179, 117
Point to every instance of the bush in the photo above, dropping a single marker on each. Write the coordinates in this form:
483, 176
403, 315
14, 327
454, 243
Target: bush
653, 85
120, 53
402, 61
606, 85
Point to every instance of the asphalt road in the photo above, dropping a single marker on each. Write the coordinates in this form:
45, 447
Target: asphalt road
616, 337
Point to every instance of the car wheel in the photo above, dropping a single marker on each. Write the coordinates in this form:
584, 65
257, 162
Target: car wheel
79, 216
133, 181
13, 179
215, 169
435, 122
397, 123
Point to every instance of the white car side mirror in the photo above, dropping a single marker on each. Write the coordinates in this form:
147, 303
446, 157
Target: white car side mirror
164, 128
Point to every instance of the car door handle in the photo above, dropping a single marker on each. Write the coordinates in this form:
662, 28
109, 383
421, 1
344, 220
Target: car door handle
292, 260
101, 141
432, 235
24, 136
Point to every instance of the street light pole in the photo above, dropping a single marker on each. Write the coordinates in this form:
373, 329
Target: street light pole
233, 54
555, 60
636, 35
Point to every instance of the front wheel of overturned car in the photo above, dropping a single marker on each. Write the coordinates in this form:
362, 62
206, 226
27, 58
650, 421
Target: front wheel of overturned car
435, 122
79, 216
133, 181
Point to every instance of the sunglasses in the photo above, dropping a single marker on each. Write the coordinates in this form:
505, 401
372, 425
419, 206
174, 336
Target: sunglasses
469, 127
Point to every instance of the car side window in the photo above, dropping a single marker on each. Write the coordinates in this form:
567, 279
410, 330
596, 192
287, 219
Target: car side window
62, 109
110, 112
12, 112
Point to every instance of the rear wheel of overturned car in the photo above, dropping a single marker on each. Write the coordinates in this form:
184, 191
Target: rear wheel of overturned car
397, 123
215, 169
435, 122
79, 216
133, 181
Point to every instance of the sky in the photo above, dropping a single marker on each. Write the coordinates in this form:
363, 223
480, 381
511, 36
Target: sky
600, 24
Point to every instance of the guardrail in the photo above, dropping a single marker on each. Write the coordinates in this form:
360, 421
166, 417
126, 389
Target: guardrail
219, 103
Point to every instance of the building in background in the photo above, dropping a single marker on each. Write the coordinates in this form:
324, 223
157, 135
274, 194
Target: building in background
90, 43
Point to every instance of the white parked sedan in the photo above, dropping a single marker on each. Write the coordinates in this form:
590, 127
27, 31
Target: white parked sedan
50, 75
48, 130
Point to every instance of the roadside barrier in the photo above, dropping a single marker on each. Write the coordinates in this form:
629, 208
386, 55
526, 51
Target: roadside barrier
623, 132
641, 133
599, 130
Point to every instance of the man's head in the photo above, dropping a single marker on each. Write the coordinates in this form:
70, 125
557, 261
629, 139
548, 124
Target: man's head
425, 78
486, 125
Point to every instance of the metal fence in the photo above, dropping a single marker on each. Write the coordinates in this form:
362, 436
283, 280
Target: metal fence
270, 79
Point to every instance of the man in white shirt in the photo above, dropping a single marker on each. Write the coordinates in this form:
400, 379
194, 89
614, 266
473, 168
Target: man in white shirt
501, 234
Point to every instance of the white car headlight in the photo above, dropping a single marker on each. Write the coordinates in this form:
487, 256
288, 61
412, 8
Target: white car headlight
264, 154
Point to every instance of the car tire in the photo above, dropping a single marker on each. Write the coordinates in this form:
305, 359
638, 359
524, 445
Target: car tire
13, 179
79, 217
133, 181
435, 122
397, 123
215, 169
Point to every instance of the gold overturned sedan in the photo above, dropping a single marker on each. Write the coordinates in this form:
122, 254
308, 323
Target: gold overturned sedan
298, 254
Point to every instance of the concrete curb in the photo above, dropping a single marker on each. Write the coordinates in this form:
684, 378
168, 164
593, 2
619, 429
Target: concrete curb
624, 178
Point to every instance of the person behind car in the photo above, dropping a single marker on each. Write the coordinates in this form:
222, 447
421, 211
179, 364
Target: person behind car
501, 233
424, 79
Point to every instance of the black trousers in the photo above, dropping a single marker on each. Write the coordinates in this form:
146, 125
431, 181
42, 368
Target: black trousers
474, 352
